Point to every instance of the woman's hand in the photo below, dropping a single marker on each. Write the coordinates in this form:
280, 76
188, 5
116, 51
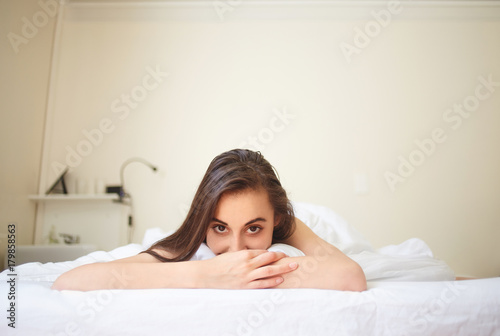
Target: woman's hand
245, 269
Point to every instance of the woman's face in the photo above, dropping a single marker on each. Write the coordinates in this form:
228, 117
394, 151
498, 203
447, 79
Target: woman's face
243, 220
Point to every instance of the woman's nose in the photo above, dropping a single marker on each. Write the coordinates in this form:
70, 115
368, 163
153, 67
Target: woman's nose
237, 244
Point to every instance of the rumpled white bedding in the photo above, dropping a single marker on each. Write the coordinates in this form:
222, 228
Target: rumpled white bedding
409, 293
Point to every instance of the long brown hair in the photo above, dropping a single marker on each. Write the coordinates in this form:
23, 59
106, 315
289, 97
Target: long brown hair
232, 171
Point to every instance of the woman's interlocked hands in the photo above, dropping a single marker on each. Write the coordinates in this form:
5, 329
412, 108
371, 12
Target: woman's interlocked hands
246, 269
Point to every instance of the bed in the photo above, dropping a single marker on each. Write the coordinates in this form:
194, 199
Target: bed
409, 293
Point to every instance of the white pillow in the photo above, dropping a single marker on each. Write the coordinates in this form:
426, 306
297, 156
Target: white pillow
286, 249
331, 227
153, 235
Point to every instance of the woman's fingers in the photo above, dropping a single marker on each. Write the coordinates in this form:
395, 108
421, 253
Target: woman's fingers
248, 269
263, 273
265, 283
272, 271
262, 257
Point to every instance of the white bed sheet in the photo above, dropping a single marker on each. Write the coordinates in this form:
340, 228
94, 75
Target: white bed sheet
386, 308
409, 293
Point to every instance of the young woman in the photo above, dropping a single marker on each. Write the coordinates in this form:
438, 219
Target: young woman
239, 210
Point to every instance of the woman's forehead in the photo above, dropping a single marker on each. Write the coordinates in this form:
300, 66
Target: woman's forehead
243, 203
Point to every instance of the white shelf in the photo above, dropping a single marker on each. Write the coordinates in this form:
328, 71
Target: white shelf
74, 197
99, 219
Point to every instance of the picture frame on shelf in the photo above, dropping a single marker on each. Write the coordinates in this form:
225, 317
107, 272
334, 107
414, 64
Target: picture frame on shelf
59, 186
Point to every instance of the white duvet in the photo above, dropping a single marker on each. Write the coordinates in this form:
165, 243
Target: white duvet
409, 293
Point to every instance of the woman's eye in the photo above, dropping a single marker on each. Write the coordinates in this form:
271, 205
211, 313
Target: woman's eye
219, 228
254, 229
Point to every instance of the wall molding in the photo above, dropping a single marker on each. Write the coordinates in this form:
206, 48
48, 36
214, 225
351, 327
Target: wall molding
281, 10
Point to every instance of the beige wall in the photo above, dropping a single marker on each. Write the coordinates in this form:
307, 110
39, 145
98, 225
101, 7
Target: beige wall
228, 80
23, 88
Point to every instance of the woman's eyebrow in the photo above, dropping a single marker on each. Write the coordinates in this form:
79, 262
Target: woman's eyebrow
219, 221
258, 219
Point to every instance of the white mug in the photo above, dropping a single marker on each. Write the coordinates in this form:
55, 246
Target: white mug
100, 186
81, 186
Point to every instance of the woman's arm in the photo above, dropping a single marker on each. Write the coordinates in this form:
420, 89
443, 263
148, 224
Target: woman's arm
324, 266
140, 271
242, 269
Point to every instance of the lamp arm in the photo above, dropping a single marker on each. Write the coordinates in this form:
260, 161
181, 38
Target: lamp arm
125, 164
124, 194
